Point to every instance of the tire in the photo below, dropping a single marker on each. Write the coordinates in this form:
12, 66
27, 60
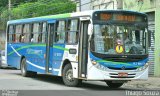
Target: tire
113, 85
68, 77
24, 71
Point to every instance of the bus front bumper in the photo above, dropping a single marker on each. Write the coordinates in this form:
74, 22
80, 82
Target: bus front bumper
127, 75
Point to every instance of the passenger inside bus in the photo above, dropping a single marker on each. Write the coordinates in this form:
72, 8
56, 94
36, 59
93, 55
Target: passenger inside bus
60, 37
32, 40
132, 42
21, 38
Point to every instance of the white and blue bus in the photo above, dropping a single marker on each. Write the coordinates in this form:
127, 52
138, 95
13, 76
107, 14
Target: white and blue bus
102, 45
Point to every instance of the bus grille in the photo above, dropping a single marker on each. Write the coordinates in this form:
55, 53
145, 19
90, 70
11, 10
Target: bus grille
115, 75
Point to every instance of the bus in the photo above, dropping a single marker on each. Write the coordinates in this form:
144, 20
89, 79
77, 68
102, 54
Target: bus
99, 45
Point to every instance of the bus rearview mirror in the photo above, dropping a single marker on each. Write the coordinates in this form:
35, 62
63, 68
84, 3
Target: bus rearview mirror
90, 29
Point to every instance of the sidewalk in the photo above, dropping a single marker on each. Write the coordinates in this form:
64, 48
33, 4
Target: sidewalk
152, 83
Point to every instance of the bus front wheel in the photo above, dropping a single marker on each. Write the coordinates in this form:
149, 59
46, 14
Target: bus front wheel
24, 71
68, 77
113, 85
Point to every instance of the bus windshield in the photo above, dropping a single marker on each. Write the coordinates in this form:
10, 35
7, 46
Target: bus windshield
119, 39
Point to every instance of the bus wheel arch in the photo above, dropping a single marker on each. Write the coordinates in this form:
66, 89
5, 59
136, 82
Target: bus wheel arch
22, 57
67, 75
23, 67
64, 64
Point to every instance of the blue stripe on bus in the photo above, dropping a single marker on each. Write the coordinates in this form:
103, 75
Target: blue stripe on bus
35, 56
106, 63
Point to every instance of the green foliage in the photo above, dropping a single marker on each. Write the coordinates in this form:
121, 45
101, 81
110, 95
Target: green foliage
4, 3
39, 8
14, 3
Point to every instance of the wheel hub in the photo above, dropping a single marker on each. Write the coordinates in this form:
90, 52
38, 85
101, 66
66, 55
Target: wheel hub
69, 75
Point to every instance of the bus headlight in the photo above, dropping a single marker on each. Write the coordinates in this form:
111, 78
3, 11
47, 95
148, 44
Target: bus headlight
143, 67
94, 62
99, 66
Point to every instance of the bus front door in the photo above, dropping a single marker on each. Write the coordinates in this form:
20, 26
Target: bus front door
83, 49
49, 48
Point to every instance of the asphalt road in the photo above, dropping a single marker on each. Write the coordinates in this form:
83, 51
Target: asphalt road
11, 79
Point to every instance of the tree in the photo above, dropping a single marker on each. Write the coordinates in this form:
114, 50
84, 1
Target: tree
39, 8
4, 3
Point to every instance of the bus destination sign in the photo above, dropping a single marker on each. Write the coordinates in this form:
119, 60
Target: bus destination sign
126, 17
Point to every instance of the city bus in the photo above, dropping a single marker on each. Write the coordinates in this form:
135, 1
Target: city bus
99, 45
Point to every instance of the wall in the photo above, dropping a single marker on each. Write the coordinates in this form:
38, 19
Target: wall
157, 41
99, 4
140, 5
85, 5
104, 4
150, 7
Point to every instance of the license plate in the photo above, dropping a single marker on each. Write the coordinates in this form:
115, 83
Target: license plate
122, 74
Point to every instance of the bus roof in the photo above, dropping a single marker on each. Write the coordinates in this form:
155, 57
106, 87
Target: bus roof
66, 15
36, 19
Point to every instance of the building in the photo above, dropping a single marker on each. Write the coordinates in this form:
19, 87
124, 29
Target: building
150, 7
99, 4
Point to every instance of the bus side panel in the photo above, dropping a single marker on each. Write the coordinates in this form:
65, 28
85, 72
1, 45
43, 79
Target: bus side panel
60, 54
35, 57
13, 58
57, 57
34, 54
72, 57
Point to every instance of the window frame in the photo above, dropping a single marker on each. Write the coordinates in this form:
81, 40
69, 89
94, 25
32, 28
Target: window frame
55, 41
20, 33
45, 33
11, 34
27, 33
39, 32
66, 31
30, 32
70, 31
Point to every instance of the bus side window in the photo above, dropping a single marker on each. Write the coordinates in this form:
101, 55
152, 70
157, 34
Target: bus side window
44, 30
14, 37
11, 33
72, 32
36, 29
60, 32
18, 33
31, 32
26, 33
40, 32
55, 38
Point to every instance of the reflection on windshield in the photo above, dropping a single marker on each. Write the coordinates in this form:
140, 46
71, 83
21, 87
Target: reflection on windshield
112, 39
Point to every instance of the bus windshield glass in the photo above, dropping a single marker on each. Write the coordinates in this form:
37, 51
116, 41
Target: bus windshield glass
119, 39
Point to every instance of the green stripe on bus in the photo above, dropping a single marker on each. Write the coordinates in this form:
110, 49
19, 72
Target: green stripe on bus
58, 16
37, 45
61, 48
100, 61
24, 47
